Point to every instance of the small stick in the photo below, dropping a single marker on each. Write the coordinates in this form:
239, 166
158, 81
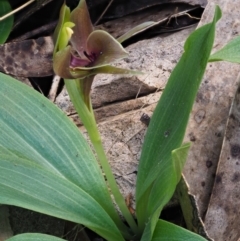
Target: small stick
105, 10
54, 88
16, 10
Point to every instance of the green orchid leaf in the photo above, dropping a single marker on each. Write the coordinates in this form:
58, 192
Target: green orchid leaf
34, 237
84, 72
36, 129
29, 185
150, 226
105, 47
230, 52
169, 121
136, 30
166, 231
179, 157
168, 178
6, 24
83, 27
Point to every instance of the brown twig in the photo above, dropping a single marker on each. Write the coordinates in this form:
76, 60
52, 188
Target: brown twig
16, 10
105, 10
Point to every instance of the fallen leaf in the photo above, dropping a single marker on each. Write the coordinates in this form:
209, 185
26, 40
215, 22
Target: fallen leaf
28, 58
222, 218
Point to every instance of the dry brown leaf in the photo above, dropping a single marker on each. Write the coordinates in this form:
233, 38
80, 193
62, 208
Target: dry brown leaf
222, 218
28, 58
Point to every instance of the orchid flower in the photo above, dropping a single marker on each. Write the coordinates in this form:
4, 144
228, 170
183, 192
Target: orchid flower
81, 52
90, 51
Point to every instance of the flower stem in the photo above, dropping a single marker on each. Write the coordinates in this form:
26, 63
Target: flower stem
88, 119
111, 180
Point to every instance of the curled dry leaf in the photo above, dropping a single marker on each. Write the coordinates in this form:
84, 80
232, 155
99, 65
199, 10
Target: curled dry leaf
190, 209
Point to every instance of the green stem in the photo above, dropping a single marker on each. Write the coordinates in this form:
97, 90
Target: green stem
96, 141
88, 119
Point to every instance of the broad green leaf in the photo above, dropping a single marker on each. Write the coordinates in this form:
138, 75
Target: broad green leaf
179, 157
34, 237
27, 184
169, 176
166, 182
166, 231
230, 52
168, 124
36, 129
150, 226
6, 24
